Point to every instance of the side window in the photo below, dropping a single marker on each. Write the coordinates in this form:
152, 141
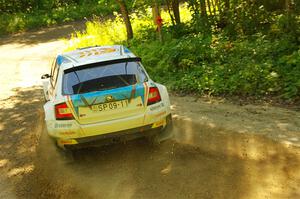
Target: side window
142, 75
54, 74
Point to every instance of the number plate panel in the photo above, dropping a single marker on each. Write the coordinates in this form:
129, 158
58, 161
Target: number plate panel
110, 106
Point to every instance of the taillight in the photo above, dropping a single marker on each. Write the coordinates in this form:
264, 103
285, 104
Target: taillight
153, 96
63, 112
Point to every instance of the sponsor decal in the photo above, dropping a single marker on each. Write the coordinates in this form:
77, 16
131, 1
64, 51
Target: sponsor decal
139, 105
153, 108
126, 50
109, 98
61, 59
63, 125
159, 123
100, 97
71, 105
132, 93
160, 114
145, 93
63, 142
67, 133
96, 51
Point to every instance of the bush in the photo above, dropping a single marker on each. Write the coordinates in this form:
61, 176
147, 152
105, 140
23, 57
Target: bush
250, 65
257, 66
22, 21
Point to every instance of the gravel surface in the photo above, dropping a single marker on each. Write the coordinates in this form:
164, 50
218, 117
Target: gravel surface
220, 149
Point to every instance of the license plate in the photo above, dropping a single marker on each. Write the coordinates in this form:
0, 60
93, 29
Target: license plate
110, 106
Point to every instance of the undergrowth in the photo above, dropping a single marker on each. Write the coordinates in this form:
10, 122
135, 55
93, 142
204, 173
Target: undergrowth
22, 21
261, 64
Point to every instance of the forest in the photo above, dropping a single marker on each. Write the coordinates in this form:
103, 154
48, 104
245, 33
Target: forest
246, 48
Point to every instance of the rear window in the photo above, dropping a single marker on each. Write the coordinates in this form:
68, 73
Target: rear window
103, 78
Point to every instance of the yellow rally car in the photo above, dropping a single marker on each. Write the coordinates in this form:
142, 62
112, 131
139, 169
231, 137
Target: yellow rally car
102, 94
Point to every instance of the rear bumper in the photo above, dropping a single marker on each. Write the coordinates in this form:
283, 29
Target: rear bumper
110, 138
121, 136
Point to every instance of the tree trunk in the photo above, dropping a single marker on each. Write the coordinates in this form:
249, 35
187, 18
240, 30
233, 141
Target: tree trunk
218, 4
209, 8
213, 2
126, 18
227, 10
227, 6
156, 14
203, 8
170, 13
287, 5
175, 7
288, 13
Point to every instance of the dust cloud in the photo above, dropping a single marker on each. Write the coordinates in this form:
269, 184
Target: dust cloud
201, 162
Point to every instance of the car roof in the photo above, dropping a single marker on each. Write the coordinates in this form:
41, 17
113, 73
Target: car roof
94, 54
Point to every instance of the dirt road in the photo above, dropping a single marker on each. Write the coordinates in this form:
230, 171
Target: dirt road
220, 150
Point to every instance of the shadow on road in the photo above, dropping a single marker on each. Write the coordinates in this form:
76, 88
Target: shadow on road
44, 35
20, 117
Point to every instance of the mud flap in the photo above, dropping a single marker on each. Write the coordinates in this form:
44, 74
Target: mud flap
165, 134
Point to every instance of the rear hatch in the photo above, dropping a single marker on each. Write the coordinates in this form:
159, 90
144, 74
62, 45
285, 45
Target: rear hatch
106, 92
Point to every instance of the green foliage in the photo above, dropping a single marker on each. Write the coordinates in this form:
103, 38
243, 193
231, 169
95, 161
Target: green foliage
58, 12
259, 64
98, 33
110, 32
255, 65
244, 17
28, 6
249, 48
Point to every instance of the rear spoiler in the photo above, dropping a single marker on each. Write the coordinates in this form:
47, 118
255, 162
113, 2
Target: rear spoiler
103, 63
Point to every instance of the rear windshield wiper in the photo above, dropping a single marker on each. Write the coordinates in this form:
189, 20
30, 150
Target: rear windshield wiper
80, 83
122, 79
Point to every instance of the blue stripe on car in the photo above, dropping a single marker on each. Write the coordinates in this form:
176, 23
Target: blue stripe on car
99, 97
